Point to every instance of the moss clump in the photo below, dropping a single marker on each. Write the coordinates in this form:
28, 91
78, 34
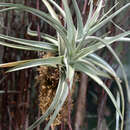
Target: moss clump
48, 79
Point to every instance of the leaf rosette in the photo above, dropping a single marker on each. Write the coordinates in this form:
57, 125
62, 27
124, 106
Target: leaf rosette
74, 48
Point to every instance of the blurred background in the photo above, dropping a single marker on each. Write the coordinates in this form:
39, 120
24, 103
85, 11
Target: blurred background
19, 91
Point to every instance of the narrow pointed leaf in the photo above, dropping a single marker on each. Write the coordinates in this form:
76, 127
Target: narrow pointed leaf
101, 63
102, 23
62, 98
58, 8
12, 64
95, 70
42, 35
79, 19
96, 14
83, 68
42, 15
108, 12
36, 12
21, 47
69, 21
117, 26
117, 114
119, 62
51, 10
51, 21
53, 104
89, 17
52, 61
31, 43
90, 49
64, 94
121, 39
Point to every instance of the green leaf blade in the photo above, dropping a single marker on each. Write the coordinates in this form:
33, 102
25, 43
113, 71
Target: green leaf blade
51, 61
83, 68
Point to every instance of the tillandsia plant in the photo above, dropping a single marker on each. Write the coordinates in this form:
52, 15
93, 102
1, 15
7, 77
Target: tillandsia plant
73, 49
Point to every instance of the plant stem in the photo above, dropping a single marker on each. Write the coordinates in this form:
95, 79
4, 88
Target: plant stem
81, 103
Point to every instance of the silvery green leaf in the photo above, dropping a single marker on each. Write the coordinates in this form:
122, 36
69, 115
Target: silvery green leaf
106, 20
96, 14
121, 39
31, 43
117, 59
70, 25
108, 12
51, 61
117, 115
21, 47
53, 105
61, 47
12, 64
58, 8
95, 70
64, 94
83, 68
79, 19
51, 10
42, 15
117, 26
108, 40
62, 98
89, 17
99, 62
45, 36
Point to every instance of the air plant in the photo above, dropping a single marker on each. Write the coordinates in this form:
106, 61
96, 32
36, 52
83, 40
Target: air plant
74, 49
